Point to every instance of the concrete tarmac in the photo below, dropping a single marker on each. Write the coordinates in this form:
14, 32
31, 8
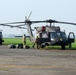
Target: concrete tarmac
37, 62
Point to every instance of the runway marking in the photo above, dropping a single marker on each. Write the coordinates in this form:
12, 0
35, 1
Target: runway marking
28, 66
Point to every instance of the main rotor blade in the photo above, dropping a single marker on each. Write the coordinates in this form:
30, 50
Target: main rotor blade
53, 21
37, 21
65, 22
14, 22
13, 26
29, 15
48, 21
19, 25
30, 22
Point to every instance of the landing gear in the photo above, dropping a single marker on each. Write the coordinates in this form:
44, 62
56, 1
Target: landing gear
39, 46
63, 47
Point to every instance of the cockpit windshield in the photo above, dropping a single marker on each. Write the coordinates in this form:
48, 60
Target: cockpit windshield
57, 34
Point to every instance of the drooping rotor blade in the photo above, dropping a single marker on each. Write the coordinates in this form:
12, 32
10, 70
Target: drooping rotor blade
13, 26
66, 22
48, 21
27, 21
53, 21
6, 25
14, 22
19, 25
37, 21
44, 21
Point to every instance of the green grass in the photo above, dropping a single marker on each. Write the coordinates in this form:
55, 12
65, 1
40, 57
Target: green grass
16, 41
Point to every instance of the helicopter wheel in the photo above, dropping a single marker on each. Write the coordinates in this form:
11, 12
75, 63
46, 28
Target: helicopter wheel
39, 46
0, 43
63, 47
42, 46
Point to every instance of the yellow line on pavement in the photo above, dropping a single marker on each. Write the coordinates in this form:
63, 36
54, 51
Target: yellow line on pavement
27, 66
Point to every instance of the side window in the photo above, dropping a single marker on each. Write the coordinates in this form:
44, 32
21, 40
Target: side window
63, 34
52, 35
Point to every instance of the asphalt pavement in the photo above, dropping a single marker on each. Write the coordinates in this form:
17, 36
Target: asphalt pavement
37, 62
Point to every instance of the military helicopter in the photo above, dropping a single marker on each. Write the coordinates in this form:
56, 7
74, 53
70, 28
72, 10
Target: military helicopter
1, 37
46, 35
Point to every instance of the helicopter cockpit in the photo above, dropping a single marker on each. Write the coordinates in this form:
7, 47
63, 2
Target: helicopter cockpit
58, 38
57, 35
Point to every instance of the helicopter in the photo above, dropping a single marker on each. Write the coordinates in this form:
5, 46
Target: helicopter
1, 37
46, 35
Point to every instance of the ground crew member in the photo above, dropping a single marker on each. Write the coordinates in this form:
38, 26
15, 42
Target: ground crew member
36, 39
37, 42
24, 40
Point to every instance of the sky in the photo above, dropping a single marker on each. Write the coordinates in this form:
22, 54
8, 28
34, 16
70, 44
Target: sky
16, 10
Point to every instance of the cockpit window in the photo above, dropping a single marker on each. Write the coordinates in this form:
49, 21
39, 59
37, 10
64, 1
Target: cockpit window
57, 34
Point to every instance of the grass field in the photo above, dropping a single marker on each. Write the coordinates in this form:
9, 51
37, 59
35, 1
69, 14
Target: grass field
16, 41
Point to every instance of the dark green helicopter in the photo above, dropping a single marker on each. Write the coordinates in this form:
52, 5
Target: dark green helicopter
1, 37
46, 35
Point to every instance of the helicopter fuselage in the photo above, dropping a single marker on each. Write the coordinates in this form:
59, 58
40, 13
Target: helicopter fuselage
54, 37
1, 38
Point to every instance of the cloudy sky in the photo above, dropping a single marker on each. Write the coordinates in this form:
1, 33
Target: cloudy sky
16, 10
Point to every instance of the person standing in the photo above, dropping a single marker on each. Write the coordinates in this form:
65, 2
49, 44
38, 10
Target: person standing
24, 40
